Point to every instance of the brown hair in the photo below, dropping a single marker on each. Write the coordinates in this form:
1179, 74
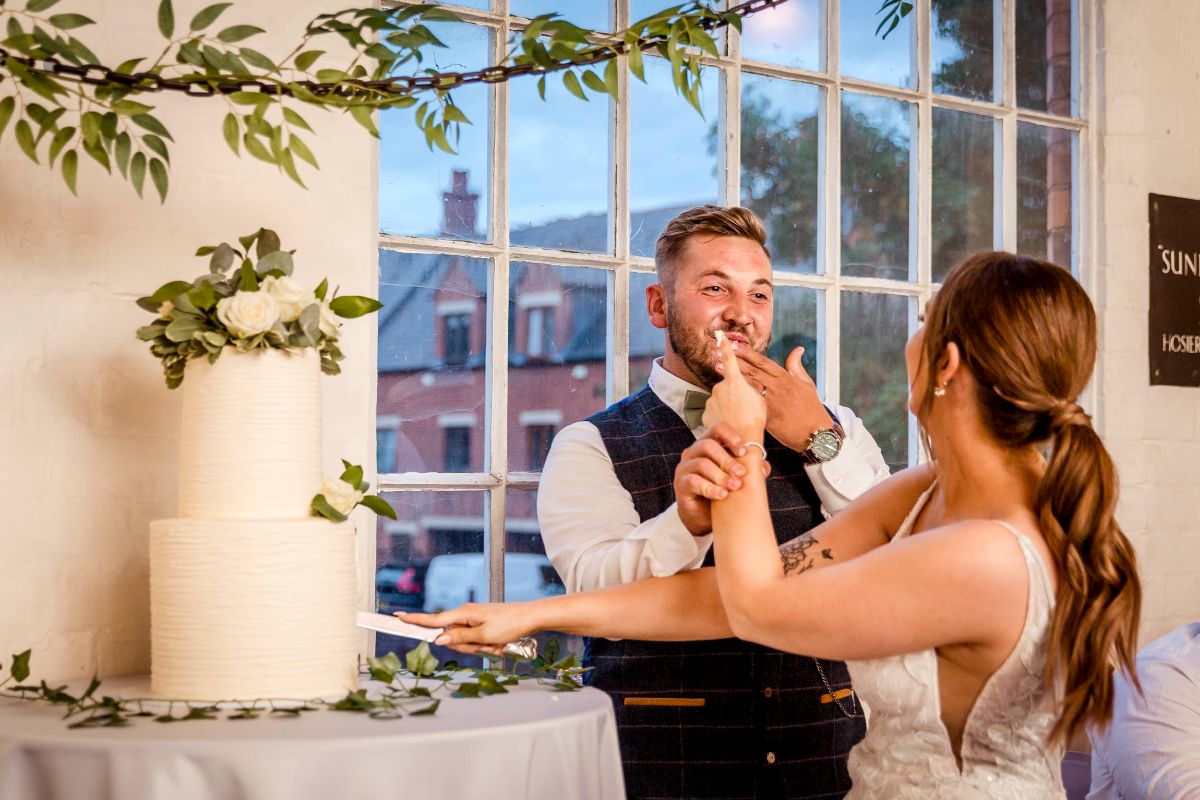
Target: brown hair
707, 220
1027, 332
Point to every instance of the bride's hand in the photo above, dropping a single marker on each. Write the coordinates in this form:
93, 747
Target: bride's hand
734, 401
476, 628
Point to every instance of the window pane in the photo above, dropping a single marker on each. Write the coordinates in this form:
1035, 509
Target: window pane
963, 187
876, 133
789, 34
431, 557
594, 15
781, 165
867, 55
432, 343
795, 325
558, 336
559, 167
432, 193
646, 342
874, 381
1045, 176
1045, 64
673, 152
528, 573
961, 48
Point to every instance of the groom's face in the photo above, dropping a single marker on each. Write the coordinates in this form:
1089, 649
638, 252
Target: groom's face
721, 283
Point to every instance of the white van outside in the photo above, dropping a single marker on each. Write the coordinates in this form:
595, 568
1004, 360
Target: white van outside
462, 578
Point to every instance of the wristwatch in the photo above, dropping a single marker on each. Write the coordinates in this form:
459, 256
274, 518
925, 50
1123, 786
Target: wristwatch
824, 445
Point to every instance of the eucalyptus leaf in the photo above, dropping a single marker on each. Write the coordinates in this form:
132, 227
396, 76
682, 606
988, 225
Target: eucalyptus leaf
137, 171
182, 328
20, 666
237, 33
158, 173
207, 16
249, 280
322, 507
222, 259
169, 291
24, 135
420, 660
277, 259
151, 124
380, 506
6, 110
166, 19
70, 169
268, 242
68, 22
352, 306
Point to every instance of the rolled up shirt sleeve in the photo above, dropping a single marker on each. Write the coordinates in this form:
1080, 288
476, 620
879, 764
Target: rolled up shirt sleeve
591, 530
854, 470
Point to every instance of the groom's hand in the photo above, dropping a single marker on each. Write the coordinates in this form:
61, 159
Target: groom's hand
707, 471
794, 411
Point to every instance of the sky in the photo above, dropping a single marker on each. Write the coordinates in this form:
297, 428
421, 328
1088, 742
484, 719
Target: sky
559, 160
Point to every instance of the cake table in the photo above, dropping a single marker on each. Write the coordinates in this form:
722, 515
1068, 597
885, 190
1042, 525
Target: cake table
531, 743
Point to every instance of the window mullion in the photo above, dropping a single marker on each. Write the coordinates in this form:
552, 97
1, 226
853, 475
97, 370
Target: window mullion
617, 385
829, 217
496, 376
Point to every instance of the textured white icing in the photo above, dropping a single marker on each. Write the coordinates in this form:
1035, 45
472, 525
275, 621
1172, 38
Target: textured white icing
250, 446
252, 608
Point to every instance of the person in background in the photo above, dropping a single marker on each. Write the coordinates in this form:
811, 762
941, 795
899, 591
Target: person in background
1151, 749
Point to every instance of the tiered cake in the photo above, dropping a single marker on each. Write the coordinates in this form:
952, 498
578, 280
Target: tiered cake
250, 595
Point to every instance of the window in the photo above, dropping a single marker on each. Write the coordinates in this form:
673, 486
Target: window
875, 163
456, 334
385, 443
540, 437
458, 449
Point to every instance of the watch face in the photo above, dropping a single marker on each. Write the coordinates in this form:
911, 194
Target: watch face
825, 445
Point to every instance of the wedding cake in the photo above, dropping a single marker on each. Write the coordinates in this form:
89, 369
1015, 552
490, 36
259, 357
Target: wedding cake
250, 595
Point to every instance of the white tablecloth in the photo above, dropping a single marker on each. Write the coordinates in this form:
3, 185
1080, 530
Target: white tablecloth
531, 743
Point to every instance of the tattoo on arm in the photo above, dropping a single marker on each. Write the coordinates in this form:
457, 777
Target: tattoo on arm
796, 556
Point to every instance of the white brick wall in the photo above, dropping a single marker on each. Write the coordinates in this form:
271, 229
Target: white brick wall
88, 430
1148, 126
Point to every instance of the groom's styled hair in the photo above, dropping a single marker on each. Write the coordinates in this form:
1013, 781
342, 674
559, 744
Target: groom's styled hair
706, 220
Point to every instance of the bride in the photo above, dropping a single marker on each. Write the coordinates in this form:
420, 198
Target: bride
981, 601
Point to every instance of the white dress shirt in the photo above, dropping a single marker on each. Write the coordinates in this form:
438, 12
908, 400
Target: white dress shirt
592, 531
1151, 749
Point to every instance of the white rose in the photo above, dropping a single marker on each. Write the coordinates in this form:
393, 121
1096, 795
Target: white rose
292, 299
329, 321
248, 314
164, 311
341, 495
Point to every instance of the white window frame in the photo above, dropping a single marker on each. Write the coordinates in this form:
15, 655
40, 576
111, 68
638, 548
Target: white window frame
496, 479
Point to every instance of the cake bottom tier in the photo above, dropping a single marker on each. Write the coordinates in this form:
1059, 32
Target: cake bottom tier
251, 609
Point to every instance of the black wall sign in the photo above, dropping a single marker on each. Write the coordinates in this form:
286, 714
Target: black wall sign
1174, 291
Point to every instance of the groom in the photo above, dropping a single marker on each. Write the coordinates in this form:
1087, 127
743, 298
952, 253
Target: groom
726, 718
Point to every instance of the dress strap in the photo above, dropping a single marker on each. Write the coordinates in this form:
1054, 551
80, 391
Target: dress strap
1032, 556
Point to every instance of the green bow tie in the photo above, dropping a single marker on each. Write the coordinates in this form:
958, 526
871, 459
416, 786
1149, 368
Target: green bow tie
693, 408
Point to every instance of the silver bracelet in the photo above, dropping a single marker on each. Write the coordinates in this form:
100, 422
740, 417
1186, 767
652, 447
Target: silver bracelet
761, 449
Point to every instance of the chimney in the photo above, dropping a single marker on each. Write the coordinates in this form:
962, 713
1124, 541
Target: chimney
458, 207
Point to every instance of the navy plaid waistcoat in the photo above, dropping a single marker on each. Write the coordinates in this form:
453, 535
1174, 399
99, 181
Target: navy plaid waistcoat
751, 724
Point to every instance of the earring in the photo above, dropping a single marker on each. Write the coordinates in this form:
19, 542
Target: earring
939, 391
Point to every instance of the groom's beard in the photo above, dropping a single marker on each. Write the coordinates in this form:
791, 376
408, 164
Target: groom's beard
697, 351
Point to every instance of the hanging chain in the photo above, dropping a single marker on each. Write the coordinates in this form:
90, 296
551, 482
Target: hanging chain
399, 86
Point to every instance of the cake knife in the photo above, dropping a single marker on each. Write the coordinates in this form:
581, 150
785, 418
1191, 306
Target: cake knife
525, 648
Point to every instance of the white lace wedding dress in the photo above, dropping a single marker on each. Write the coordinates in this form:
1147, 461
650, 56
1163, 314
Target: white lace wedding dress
907, 751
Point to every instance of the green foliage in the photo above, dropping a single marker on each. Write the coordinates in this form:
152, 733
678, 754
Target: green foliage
190, 324
393, 698
353, 478
387, 44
